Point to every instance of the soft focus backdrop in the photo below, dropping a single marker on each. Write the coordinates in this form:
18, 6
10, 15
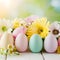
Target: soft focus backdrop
10, 9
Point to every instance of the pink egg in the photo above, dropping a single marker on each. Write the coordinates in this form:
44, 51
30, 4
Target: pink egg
19, 30
59, 41
50, 43
21, 42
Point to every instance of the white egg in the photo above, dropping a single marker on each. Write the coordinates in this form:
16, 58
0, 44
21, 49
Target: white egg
50, 43
6, 39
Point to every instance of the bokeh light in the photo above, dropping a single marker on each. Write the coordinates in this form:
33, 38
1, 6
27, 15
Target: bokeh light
23, 8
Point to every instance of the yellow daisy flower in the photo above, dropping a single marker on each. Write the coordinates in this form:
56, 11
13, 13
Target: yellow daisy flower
40, 26
16, 23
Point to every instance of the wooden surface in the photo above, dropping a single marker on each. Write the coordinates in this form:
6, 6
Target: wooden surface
2, 57
32, 56
51, 56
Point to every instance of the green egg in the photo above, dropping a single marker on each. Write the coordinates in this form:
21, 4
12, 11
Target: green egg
35, 43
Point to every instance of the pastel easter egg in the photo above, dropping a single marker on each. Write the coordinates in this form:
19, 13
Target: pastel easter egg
50, 43
35, 43
58, 41
19, 30
6, 39
21, 42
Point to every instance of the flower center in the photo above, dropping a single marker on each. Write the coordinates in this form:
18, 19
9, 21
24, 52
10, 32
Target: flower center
4, 28
55, 32
40, 30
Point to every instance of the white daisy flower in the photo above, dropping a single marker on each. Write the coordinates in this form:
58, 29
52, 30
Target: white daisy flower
5, 25
55, 29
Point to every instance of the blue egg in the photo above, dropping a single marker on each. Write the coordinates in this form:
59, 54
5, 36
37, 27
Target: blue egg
35, 43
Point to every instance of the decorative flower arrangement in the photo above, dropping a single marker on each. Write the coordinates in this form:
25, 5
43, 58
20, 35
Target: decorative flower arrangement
39, 26
16, 34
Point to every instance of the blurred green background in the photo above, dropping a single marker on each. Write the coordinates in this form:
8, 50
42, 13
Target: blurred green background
42, 8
